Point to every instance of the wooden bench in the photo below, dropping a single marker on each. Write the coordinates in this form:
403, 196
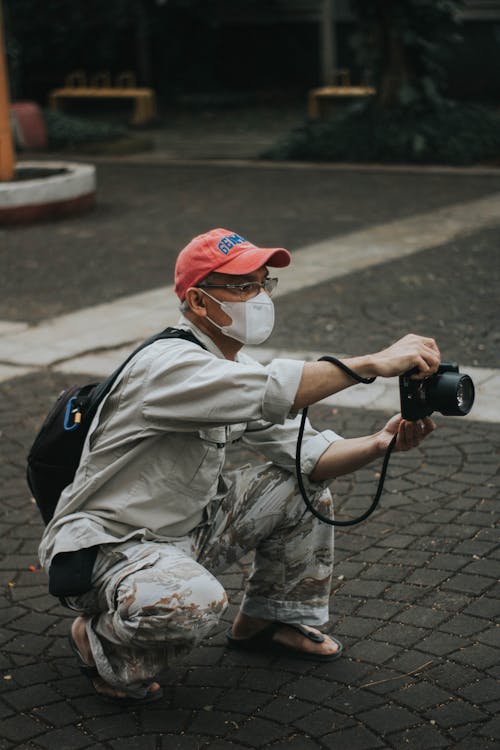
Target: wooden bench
341, 92
100, 87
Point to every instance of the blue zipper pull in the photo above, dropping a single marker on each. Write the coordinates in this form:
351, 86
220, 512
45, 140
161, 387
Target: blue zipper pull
73, 416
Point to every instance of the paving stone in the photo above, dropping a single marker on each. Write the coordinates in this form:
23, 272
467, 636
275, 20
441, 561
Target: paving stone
388, 719
373, 652
385, 572
296, 742
349, 569
107, 727
346, 671
442, 643
312, 688
162, 721
428, 577
410, 664
265, 680
244, 701
463, 625
215, 745
467, 583
483, 691
398, 541
485, 567
372, 554
323, 721
35, 695
476, 743
355, 738
421, 617
285, 709
491, 728
20, 728
478, 655
10, 614
491, 637
447, 601
420, 696
403, 592
458, 733
216, 722
138, 741
68, 738
475, 547
402, 635
356, 626
409, 557
195, 697
215, 676
355, 701
362, 589
343, 604
259, 732
484, 607
455, 713
416, 738
451, 676
378, 610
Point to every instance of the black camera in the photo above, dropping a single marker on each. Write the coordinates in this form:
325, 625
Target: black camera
447, 392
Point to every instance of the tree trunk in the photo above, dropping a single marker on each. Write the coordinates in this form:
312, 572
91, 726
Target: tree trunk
395, 67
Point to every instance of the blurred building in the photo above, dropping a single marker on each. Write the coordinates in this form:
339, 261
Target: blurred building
231, 48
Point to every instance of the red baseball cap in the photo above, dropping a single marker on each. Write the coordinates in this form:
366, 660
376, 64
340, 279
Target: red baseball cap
225, 252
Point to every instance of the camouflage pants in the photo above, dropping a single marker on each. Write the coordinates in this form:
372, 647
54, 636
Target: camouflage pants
151, 601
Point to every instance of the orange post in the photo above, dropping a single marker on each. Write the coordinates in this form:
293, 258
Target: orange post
6, 144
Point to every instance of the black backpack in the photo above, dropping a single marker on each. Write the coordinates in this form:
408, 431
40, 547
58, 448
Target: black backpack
57, 449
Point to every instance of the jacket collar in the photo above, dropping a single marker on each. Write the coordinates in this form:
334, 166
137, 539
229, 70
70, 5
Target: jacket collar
185, 323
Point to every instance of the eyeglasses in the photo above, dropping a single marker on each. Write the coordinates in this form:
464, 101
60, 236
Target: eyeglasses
247, 289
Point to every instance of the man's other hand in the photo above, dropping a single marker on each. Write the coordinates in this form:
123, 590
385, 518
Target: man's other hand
410, 434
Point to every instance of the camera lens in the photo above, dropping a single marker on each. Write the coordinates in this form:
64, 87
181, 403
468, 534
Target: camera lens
465, 394
451, 394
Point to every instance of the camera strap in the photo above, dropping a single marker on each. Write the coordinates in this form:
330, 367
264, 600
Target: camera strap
378, 494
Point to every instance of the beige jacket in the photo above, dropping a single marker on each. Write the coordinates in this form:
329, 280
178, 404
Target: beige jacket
154, 456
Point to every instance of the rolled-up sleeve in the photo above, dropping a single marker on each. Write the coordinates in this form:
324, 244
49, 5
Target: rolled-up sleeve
282, 384
278, 443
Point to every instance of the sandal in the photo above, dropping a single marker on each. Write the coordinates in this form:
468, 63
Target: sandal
90, 672
263, 641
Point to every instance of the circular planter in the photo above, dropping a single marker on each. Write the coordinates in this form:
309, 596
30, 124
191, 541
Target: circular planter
47, 190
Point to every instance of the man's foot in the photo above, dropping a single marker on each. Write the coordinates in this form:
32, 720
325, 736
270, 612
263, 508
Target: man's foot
81, 642
292, 638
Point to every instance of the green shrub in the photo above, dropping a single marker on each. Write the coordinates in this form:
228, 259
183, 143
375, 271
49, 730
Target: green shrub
64, 131
455, 134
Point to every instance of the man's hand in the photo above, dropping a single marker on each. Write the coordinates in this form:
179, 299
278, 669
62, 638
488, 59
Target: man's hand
405, 354
410, 434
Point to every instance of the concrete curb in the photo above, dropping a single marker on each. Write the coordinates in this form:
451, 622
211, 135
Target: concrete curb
70, 192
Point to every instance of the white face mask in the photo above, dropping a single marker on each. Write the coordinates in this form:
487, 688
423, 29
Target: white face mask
252, 321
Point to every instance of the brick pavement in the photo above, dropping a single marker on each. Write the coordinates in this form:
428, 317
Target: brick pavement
416, 596
415, 601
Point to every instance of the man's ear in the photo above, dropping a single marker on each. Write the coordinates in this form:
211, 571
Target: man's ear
195, 300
